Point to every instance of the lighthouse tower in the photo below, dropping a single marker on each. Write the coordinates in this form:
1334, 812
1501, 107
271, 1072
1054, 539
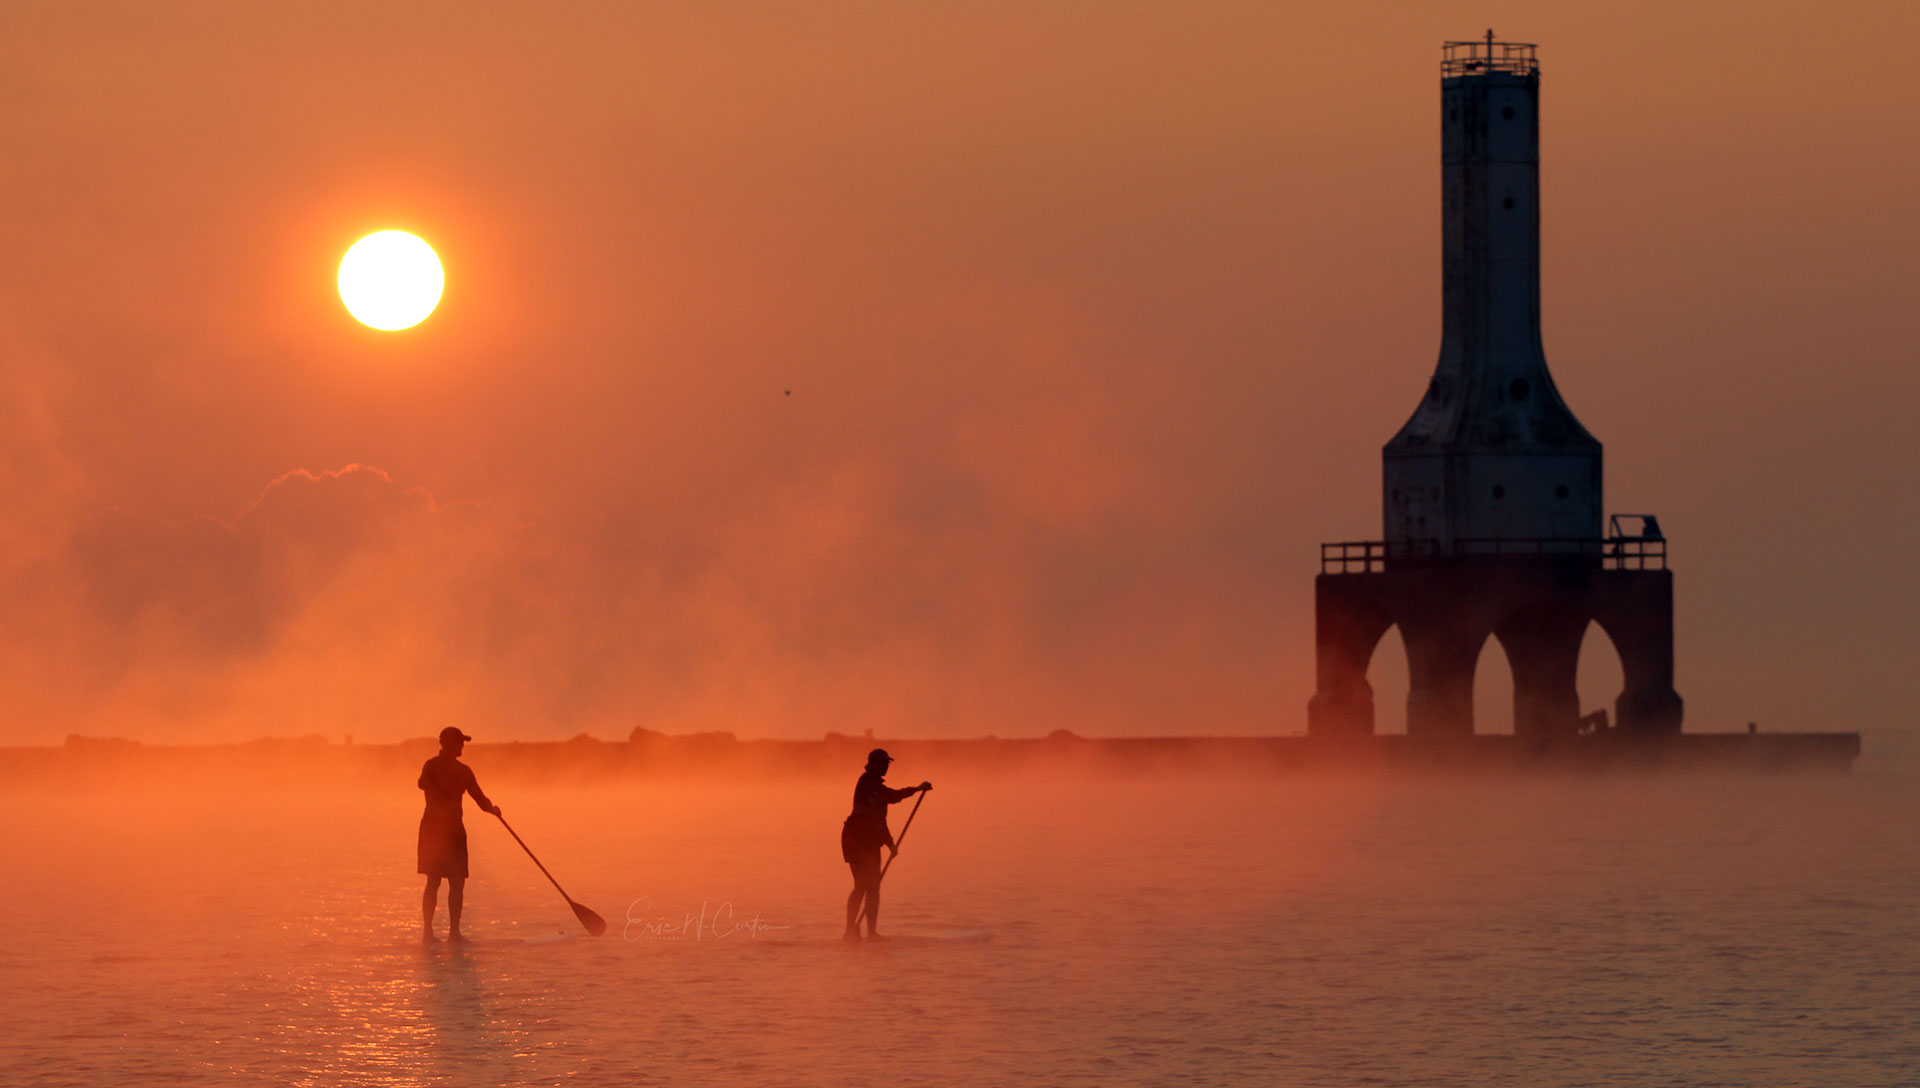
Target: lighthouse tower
1492, 489
1492, 453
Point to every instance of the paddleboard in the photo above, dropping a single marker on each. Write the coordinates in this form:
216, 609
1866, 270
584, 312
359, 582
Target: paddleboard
910, 939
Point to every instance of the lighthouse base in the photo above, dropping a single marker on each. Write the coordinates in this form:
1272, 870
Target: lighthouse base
1537, 606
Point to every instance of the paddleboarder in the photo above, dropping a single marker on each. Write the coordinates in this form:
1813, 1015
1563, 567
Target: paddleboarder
863, 834
443, 835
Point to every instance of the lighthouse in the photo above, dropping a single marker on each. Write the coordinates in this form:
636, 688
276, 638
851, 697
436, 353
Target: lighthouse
1492, 496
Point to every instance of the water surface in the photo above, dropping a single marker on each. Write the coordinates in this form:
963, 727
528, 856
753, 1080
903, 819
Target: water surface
1306, 931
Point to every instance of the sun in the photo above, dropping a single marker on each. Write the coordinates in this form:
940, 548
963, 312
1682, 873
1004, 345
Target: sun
391, 280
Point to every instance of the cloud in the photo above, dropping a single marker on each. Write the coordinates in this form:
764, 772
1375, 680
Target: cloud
322, 601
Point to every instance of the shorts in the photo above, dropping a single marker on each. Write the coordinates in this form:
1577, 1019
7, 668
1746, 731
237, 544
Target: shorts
443, 847
860, 852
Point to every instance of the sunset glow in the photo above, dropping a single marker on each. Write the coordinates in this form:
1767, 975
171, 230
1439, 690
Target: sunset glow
391, 280
1231, 543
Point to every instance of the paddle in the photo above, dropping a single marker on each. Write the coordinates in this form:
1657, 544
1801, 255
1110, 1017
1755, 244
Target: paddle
908, 826
595, 924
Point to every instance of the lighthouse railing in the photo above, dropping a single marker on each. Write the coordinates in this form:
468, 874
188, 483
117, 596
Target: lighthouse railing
1375, 556
1488, 55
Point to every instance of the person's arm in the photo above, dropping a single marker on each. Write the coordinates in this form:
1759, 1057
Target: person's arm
480, 798
894, 796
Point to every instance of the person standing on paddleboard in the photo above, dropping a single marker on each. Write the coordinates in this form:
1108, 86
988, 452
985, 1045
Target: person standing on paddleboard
862, 836
443, 835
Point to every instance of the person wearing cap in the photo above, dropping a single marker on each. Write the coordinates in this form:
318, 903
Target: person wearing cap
443, 835
862, 836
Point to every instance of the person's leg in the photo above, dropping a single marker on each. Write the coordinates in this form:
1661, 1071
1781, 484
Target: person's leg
456, 898
866, 878
427, 900
873, 912
854, 899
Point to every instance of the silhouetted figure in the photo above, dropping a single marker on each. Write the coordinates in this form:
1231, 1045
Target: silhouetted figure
443, 835
862, 836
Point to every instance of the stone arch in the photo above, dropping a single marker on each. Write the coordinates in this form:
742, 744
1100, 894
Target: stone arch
1493, 688
1543, 647
1601, 674
1348, 625
1387, 677
1638, 619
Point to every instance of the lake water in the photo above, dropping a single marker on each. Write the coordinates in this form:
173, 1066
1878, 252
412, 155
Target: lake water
1303, 931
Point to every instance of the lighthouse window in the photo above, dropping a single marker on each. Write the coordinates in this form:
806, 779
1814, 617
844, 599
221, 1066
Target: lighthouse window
1560, 492
1518, 389
1499, 492
1507, 203
1507, 114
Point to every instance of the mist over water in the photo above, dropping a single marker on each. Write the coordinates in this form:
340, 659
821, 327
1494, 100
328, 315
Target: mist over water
1049, 929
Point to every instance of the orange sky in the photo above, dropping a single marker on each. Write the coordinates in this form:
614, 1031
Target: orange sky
1095, 316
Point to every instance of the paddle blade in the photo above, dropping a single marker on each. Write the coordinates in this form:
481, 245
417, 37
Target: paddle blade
595, 924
